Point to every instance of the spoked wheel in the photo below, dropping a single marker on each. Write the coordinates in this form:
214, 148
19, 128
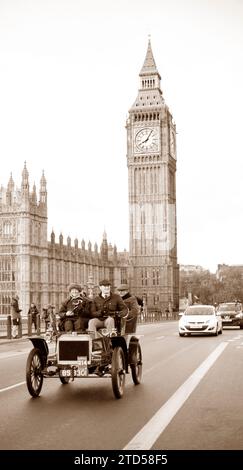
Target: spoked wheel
34, 377
118, 372
65, 380
137, 366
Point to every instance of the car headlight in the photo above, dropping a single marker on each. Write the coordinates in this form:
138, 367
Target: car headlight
211, 321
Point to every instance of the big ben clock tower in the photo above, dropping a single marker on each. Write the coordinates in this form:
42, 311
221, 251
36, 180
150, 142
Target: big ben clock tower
151, 160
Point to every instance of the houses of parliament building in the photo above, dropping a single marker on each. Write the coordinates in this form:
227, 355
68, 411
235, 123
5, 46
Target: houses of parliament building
40, 270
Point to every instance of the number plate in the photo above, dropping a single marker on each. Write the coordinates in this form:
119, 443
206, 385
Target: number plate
81, 371
82, 366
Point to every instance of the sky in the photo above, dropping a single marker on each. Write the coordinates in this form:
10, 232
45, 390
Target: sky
68, 76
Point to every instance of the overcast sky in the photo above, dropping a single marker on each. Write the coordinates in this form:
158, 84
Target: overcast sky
68, 76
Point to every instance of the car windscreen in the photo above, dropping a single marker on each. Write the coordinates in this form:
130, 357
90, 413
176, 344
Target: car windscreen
229, 308
199, 311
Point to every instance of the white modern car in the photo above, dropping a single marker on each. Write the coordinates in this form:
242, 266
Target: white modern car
201, 319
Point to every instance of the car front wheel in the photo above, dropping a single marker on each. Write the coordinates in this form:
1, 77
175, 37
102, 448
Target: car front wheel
34, 377
118, 372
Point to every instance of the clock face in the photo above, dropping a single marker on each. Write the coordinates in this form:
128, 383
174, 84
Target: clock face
147, 139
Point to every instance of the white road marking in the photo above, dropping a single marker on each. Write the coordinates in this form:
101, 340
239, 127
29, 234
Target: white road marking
145, 438
160, 337
11, 386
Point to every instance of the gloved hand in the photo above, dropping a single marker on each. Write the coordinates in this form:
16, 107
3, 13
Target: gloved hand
104, 312
69, 313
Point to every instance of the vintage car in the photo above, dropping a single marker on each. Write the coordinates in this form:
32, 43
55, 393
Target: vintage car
87, 355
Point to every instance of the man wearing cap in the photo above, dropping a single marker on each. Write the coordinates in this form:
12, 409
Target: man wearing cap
75, 311
129, 300
105, 305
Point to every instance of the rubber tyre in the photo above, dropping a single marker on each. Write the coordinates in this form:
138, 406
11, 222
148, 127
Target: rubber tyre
137, 368
34, 377
118, 372
65, 380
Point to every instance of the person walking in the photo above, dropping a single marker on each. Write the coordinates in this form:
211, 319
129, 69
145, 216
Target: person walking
33, 312
15, 315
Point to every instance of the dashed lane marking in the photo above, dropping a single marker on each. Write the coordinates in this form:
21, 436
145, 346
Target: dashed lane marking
11, 386
148, 435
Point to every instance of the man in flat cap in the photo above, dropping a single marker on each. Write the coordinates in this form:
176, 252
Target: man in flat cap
105, 305
75, 310
130, 300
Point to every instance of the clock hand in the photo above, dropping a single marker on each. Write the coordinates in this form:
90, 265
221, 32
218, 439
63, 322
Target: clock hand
147, 137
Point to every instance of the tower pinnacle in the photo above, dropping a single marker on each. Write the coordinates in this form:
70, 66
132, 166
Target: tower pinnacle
149, 66
25, 179
43, 191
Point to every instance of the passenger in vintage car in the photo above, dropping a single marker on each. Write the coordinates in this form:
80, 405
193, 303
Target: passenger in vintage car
75, 311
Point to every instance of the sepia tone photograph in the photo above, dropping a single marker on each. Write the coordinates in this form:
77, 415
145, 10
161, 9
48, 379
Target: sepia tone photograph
121, 202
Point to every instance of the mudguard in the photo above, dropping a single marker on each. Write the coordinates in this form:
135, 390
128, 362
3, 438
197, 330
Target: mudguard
41, 344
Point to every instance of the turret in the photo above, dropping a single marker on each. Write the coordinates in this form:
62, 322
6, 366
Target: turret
10, 190
43, 191
104, 247
33, 195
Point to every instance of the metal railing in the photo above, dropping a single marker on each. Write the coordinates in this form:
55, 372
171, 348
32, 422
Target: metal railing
26, 327
153, 317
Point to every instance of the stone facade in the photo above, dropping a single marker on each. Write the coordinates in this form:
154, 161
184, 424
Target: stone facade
40, 270
151, 161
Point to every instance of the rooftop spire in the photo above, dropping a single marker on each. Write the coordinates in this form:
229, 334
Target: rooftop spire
43, 191
149, 66
43, 182
104, 235
10, 183
33, 195
25, 179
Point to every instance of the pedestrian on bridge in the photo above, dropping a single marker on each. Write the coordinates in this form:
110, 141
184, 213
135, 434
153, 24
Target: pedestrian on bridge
33, 311
15, 314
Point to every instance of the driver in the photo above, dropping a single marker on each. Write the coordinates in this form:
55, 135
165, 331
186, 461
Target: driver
75, 310
105, 305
